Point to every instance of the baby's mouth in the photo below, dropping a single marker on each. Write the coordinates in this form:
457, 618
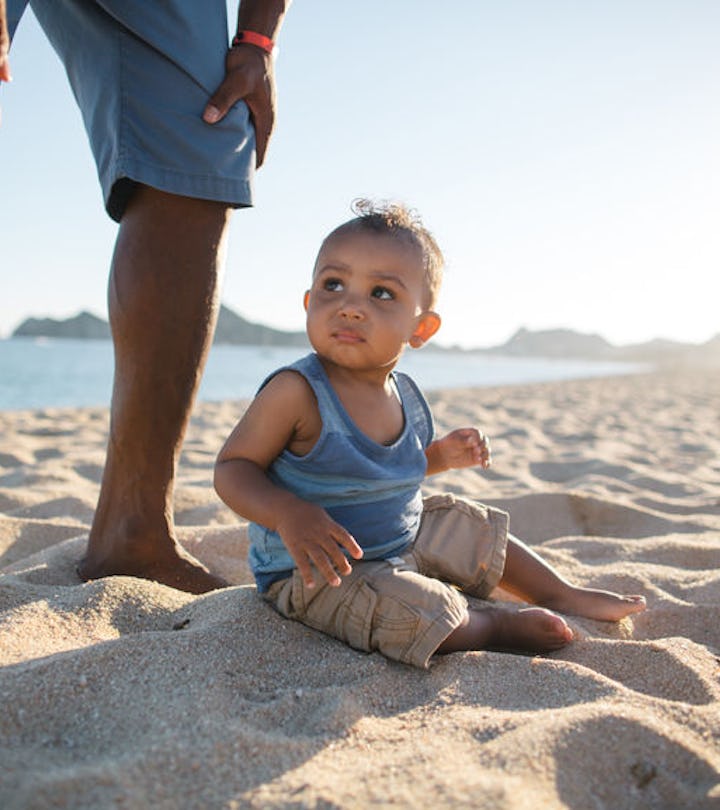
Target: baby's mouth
347, 336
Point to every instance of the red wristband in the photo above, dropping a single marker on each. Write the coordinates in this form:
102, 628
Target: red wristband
253, 38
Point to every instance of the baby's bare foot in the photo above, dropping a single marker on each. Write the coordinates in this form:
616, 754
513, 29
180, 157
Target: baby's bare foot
529, 630
595, 604
532, 630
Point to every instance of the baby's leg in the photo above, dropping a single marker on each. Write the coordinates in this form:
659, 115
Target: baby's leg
529, 577
532, 630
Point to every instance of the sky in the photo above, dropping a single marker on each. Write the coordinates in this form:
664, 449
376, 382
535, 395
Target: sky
564, 153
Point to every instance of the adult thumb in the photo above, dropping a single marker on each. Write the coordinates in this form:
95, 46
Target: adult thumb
220, 102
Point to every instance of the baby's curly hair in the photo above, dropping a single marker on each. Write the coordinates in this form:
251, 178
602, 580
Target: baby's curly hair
396, 219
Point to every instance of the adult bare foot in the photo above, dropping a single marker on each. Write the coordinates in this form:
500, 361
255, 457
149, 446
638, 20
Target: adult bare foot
596, 604
165, 243
166, 563
529, 630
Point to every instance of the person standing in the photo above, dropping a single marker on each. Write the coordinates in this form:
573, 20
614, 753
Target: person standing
177, 123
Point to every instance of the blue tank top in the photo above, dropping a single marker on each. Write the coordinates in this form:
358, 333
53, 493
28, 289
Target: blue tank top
371, 489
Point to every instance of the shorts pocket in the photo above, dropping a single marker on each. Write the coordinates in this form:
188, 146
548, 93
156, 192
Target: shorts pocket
373, 611
354, 617
367, 620
395, 629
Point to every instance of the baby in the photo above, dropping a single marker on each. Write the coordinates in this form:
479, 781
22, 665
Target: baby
328, 461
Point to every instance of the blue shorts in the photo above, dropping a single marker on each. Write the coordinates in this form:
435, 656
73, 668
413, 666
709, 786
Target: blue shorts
142, 73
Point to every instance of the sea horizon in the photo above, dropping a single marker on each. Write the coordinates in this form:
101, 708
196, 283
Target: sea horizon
71, 373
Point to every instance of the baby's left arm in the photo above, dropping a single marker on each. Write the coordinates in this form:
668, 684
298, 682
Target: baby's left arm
465, 447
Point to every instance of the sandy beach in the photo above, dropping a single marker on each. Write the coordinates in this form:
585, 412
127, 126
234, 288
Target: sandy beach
125, 693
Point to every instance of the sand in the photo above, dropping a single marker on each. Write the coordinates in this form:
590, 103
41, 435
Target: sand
125, 693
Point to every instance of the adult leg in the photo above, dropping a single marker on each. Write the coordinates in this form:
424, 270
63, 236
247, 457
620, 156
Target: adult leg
163, 302
529, 577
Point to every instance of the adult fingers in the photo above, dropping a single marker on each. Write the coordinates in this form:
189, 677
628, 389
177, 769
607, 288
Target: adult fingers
5, 70
4, 45
233, 88
249, 77
263, 118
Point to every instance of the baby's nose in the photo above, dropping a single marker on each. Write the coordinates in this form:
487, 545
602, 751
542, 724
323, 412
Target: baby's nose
352, 308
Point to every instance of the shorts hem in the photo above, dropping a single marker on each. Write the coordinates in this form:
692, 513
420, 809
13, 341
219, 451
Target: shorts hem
235, 193
425, 646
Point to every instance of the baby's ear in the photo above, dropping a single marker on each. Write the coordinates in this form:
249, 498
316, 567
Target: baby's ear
428, 324
306, 298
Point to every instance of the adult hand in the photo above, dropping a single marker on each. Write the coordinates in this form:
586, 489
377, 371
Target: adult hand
4, 48
4, 45
250, 77
313, 538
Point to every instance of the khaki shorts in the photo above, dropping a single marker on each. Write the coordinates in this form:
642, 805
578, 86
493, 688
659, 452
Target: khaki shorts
406, 606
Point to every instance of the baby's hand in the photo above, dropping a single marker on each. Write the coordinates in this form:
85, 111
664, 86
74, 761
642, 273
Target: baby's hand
313, 538
465, 447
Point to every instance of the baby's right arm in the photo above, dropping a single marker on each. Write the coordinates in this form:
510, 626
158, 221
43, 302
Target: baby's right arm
271, 422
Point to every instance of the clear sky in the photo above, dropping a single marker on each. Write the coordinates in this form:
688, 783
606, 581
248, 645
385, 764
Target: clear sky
565, 153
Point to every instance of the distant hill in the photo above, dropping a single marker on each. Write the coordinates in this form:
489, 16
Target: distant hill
84, 326
555, 343
671, 353
231, 328
565, 343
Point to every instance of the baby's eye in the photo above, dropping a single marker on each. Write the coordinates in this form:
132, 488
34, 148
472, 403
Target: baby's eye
332, 285
383, 293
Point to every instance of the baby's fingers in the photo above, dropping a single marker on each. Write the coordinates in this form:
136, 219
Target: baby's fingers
481, 449
315, 560
313, 557
330, 564
305, 571
348, 542
329, 560
485, 456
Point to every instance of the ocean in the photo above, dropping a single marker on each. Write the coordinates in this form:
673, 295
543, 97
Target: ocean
52, 373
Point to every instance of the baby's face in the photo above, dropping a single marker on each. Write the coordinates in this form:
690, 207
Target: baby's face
367, 299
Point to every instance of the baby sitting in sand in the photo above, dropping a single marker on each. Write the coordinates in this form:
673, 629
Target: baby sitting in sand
328, 461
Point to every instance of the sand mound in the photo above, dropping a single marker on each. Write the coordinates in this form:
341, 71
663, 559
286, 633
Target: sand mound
125, 693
